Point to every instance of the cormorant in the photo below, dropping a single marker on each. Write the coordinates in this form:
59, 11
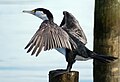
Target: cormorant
68, 37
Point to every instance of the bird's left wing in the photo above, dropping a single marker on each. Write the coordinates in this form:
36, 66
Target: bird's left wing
49, 37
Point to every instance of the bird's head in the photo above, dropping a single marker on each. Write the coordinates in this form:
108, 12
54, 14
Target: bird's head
42, 13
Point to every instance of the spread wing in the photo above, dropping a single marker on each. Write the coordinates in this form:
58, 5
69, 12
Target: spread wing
72, 27
48, 37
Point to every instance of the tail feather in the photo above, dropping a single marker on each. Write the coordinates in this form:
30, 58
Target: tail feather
102, 58
111, 58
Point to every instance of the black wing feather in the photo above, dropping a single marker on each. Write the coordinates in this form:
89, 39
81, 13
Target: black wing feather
72, 27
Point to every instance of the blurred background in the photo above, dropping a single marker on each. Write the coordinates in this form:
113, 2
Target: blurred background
16, 29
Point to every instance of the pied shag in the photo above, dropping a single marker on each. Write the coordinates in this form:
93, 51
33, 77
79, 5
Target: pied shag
68, 38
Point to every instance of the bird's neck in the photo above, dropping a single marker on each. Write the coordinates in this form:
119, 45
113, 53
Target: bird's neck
50, 17
47, 19
44, 18
51, 20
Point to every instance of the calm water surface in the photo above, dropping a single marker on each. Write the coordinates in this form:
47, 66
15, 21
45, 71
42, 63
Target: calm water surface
17, 28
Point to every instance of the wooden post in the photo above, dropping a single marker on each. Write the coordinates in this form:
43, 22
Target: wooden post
72, 76
107, 39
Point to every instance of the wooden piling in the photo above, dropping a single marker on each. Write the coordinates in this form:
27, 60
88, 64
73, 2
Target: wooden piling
55, 76
107, 39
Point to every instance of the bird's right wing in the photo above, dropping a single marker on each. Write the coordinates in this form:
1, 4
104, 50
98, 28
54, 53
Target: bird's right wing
49, 37
72, 26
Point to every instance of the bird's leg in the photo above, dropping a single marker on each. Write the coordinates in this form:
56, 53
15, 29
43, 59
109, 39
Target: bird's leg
69, 66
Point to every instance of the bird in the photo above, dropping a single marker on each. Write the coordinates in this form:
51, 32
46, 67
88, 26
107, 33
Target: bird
68, 38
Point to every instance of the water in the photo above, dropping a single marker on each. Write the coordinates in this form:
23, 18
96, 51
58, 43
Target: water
17, 28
